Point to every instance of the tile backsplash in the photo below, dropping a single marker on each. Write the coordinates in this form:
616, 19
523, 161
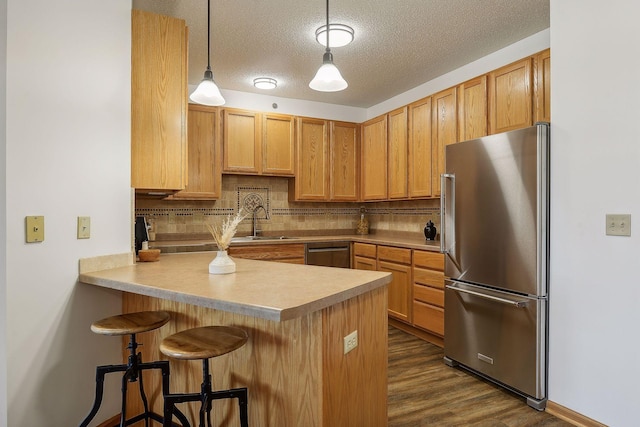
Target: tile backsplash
280, 214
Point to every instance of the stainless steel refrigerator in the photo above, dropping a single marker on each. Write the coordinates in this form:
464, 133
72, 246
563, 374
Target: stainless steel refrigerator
495, 237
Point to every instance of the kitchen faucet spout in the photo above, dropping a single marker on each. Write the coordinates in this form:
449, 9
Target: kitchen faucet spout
255, 231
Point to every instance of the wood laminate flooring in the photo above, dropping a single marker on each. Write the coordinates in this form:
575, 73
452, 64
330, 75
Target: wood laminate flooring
423, 391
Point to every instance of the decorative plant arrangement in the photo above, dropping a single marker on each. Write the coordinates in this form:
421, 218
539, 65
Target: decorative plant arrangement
222, 235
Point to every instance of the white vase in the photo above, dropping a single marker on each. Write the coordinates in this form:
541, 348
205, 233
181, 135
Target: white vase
222, 264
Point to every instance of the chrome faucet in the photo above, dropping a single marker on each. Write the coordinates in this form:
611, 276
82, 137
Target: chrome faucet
255, 231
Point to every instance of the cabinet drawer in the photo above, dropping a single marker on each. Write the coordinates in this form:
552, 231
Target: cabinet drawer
364, 249
293, 252
432, 260
429, 295
399, 255
428, 277
428, 317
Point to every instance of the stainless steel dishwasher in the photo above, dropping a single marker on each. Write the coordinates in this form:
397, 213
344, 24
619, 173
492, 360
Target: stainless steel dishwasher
329, 254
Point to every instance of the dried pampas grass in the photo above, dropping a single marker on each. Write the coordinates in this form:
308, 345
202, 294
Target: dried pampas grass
222, 235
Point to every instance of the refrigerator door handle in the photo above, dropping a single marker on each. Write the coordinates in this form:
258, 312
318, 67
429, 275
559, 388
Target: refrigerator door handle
443, 205
518, 304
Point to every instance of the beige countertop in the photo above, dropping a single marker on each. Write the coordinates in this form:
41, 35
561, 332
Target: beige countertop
184, 243
268, 290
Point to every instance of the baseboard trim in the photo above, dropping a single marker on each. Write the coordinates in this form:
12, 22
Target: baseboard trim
571, 416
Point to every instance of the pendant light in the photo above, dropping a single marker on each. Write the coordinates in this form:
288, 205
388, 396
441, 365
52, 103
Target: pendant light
207, 92
328, 77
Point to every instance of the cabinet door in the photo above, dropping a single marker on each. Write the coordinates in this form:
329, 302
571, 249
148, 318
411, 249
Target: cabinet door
397, 154
205, 176
472, 109
511, 97
361, 263
400, 302
444, 130
419, 149
543, 86
158, 102
373, 162
241, 142
344, 149
277, 145
312, 181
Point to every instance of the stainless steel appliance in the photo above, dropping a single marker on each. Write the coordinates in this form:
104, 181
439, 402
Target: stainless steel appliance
329, 254
495, 212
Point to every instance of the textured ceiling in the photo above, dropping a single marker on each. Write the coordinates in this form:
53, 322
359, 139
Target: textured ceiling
399, 44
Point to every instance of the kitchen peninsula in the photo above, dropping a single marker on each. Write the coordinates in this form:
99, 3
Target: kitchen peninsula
296, 316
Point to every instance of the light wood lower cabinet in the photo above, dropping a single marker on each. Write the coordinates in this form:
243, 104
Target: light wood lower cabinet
292, 253
397, 261
428, 291
416, 292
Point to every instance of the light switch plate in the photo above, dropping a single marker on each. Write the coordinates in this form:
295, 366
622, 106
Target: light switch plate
84, 227
618, 224
34, 228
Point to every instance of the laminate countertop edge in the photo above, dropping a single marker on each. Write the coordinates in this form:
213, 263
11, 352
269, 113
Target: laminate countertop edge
262, 289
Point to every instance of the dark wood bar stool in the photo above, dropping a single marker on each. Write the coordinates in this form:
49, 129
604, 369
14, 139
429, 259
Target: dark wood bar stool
131, 324
205, 343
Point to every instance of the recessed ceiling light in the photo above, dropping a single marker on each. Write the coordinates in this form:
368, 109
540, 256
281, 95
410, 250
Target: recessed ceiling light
265, 83
341, 35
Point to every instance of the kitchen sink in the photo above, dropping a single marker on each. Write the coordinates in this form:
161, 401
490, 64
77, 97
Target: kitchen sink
255, 238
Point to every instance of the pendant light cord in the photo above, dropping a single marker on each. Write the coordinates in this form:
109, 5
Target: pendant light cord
209, 34
328, 32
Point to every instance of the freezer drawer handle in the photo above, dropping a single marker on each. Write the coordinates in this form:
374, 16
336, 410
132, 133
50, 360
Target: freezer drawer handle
518, 304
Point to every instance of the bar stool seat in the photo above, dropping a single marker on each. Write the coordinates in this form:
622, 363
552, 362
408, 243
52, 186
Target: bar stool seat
131, 324
205, 343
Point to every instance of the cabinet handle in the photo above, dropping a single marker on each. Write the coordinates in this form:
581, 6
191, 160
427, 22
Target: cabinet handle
518, 304
443, 207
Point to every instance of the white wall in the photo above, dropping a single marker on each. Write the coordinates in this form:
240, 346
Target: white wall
595, 168
3, 205
67, 154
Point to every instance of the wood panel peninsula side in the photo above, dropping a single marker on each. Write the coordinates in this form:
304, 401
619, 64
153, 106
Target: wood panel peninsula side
296, 316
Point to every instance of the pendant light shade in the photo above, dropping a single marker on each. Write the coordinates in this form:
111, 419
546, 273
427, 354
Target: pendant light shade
207, 92
328, 77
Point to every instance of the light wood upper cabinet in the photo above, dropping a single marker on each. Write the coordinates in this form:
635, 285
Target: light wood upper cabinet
419, 149
326, 161
158, 102
542, 85
278, 144
397, 169
472, 109
205, 175
373, 163
511, 97
241, 142
344, 151
257, 144
444, 128
312, 165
